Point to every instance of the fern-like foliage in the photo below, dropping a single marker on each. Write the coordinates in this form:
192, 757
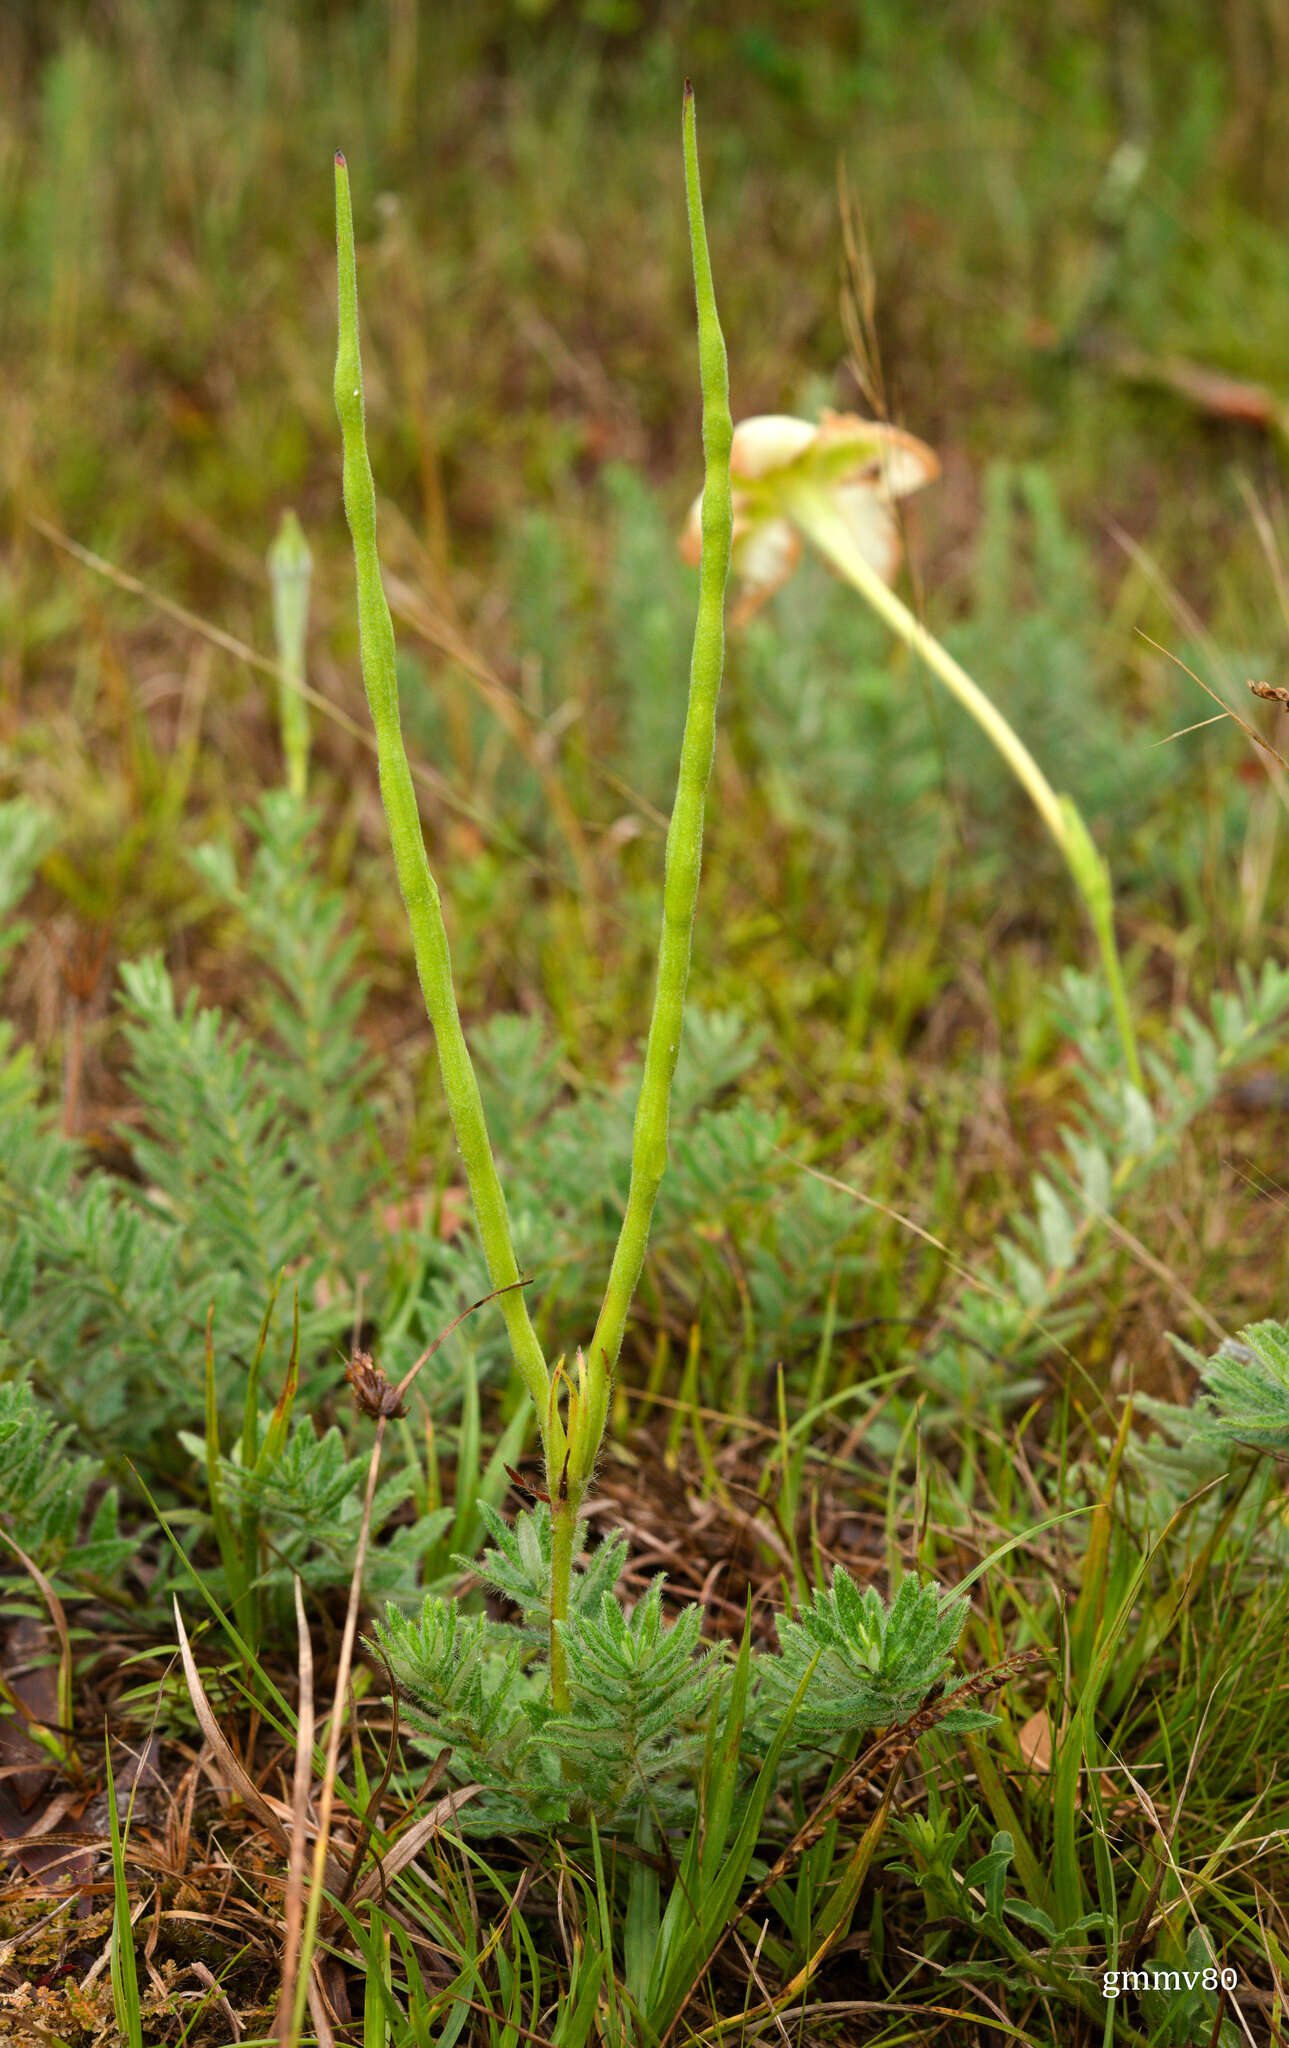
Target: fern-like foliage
215, 1149
465, 1686
121, 1278
567, 1162
307, 1505
44, 1489
113, 1318
1049, 1263
256, 1155
641, 1695
643, 1691
309, 1006
1244, 1394
517, 1565
34, 1154
846, 756
876, 1664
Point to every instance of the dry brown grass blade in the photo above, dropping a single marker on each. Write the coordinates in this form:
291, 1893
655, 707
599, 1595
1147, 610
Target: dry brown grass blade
58, 1616
412, 1841
377, 1398
205, 1975
225, 1756
371, 1814
858, 299
293, 1905
318, 2014
320, 1875
1248, 730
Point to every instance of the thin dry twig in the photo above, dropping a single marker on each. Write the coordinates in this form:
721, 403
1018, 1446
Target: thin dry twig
293, 1904
205, 1975
374, 1393
1251, 732
225, 1756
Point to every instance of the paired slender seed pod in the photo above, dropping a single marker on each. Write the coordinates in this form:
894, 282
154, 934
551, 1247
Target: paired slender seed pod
572, 1410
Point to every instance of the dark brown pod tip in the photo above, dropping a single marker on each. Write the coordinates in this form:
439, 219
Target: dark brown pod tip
340, 160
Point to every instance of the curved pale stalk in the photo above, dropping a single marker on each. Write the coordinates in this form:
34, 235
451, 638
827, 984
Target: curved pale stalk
816, 512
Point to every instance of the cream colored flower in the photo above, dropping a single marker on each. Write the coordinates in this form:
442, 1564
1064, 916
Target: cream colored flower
836, 485
786, 473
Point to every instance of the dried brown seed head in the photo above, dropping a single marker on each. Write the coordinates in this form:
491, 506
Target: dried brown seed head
373, 1393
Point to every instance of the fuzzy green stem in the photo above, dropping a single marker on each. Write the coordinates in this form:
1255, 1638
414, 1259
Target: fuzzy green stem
563, 1532
290, 572
419, 892
816, 513
684, 837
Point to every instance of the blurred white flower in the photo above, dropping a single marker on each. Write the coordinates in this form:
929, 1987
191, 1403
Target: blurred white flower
836, 484
837, 481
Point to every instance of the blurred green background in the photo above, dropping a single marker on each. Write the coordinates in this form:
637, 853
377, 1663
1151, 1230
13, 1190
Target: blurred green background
1047, 242
1051, 242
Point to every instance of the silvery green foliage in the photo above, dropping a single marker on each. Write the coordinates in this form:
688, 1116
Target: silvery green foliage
482, 1686
44, 1491
34, 1154
876, 1664
1245, 1390
641, 1694
123, 1275
308, 1504
846, 756
1050, 1262
26, 835
310, 1004
1200, 1480
643, 1691
812, 1239
214, 1153
255, 1155
112, 1322
636, 1724
519, 1567
1195, 1463
466, 1685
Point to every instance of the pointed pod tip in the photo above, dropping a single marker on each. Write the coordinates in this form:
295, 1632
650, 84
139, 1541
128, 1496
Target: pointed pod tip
341, 165
689, 89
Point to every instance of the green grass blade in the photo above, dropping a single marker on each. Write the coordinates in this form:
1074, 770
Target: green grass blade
125, 1979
